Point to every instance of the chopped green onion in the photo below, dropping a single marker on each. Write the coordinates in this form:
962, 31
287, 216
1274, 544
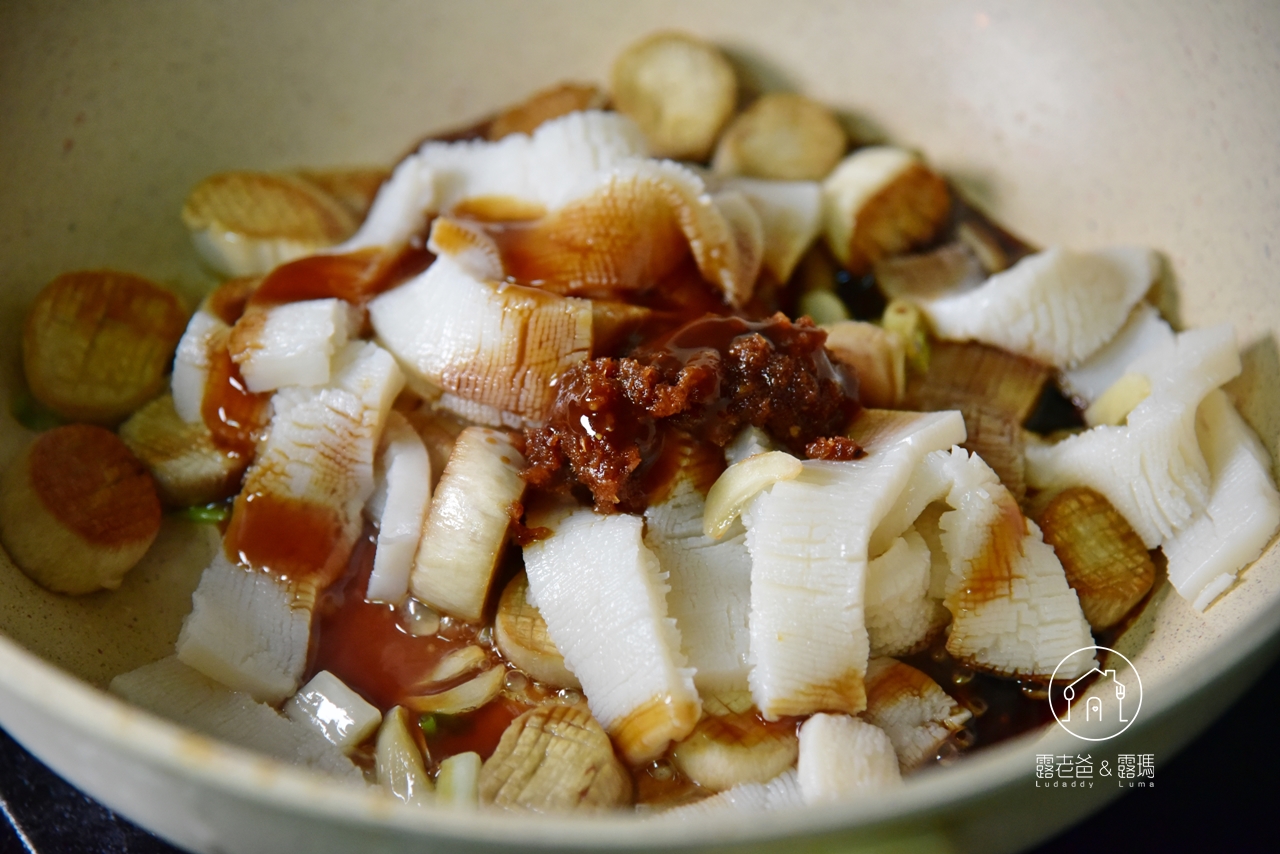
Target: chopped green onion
428, 724
208, 514
31, 413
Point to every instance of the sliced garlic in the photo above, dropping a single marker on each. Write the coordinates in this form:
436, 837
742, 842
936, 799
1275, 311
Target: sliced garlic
740, 483
458, 783
467, 697
876, 355
1144, 330
398, 761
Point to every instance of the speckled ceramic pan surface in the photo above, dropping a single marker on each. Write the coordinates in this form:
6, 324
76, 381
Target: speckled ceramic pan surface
1082, 124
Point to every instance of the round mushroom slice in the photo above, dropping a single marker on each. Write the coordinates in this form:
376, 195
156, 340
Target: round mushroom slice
96, 344
783, 136
723, 752
522, 638
553, 759
679, 90
879, 202
78, 510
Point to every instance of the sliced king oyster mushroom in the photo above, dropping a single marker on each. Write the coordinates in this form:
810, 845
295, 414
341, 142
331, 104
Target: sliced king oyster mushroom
912, 709
1151, 468
808, 540
601, 591
1058, 306
841, 756
466, 527
1240, 515
292, 528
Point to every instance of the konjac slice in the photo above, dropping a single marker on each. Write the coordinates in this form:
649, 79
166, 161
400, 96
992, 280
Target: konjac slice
1150, 468
290, 344
901, 616
492, 348
466, 527
292, 528
841, 756
710, 579
402, 492
601, 591
1012, 611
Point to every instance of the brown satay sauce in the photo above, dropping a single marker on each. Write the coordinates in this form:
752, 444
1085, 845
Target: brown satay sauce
706, 379
366, 646
234, 415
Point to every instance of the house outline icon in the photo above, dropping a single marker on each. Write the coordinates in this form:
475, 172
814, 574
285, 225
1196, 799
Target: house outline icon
1069, 693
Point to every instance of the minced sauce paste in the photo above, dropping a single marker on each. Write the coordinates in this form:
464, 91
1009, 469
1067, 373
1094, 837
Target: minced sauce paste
709, 378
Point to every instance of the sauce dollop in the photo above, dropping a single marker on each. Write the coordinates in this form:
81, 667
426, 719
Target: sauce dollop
706, 379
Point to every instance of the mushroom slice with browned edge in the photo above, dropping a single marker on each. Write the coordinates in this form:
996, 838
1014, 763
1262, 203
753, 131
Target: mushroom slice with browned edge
912, 709
521, 635
189, 468
728, 750
555, 758
782, 136
77, 510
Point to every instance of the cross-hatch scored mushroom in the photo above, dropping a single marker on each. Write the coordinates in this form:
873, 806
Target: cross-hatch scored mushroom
561, 474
